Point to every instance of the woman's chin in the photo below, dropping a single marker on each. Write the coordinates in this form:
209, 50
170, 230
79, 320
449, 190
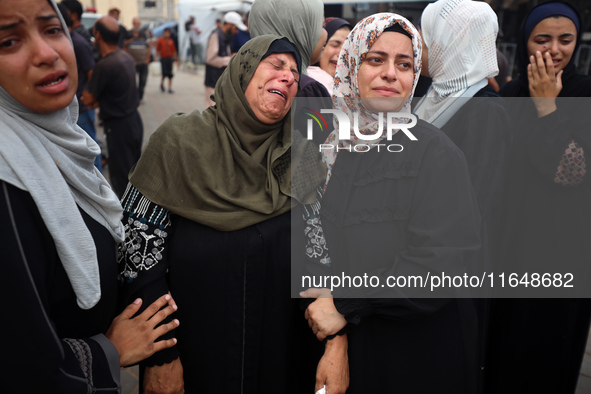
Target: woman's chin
384, 104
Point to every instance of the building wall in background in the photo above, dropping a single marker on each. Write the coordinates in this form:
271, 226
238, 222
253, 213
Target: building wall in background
164, 10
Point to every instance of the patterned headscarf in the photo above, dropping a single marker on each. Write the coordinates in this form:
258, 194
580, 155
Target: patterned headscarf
346, 88
460, 36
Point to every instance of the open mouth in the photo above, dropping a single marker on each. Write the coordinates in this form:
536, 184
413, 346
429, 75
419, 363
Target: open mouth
58, 80
278, 92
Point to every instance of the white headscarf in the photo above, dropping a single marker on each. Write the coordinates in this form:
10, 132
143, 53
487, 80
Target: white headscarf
52, 158
460, 36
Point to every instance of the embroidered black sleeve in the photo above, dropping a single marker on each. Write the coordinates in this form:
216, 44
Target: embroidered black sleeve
143, 259
90, 365
146, 229
83, 354
316, 248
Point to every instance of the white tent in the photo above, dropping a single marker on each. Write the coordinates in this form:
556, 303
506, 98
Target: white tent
205, 13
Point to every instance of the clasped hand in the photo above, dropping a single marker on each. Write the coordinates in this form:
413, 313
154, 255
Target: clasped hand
323, 317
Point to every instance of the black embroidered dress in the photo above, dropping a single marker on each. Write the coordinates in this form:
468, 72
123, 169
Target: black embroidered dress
240, 330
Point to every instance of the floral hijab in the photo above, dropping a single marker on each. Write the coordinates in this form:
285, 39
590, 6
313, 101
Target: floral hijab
346, 89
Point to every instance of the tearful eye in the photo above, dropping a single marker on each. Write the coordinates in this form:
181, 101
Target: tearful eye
54, 30
275, 66
7, 43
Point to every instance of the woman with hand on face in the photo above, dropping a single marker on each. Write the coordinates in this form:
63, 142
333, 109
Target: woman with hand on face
537, 345
207, 216
337, 30
60, 225
384, 213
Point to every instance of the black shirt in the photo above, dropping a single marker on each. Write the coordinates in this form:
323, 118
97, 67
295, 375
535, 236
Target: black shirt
113, 84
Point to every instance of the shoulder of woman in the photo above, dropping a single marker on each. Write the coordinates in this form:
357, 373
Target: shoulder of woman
578, 85
425, 131
486, 103
182, 128
432, 139
514, 88
309, 87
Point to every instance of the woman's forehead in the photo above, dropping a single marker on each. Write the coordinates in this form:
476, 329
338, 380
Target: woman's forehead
561, 23
390, 42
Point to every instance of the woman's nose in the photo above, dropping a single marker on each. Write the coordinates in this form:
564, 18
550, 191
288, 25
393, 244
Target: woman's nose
389, 71
43, 52
553, 47
287, 77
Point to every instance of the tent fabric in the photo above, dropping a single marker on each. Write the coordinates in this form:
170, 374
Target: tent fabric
205, 13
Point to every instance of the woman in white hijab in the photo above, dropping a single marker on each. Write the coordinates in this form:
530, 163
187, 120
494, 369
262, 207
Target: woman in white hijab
459, 53
60, 224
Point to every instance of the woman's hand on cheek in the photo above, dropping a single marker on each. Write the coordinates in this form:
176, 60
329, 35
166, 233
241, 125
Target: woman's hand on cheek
544, 83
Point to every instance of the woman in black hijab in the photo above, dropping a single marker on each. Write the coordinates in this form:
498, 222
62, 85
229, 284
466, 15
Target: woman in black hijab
537, 345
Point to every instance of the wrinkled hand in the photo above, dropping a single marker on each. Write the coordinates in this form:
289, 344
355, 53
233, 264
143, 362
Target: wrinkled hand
164, 379
544, 83
323, 317
333, 368
134, 336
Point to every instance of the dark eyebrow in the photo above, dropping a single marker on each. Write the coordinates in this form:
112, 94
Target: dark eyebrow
10, 26
47, 18
278, 60
382, 53
334, 40
542, 35
41, 18
283, 63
